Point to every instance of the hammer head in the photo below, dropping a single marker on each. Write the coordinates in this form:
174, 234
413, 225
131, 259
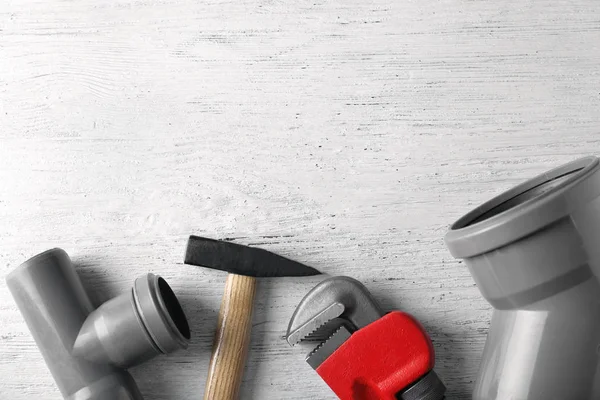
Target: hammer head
242, 260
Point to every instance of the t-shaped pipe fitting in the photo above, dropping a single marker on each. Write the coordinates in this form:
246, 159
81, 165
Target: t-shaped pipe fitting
88, 350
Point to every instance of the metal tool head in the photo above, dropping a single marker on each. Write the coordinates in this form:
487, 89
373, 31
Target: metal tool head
242, 260
332, 311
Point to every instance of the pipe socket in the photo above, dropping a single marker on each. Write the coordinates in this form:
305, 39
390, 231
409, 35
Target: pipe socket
534, 254
88, 350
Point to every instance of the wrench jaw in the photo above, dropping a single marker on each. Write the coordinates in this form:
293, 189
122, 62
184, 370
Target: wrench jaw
329, 314
315, 326
340, 296
328, 346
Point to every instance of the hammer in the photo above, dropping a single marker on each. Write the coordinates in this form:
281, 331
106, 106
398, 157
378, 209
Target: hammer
244, 264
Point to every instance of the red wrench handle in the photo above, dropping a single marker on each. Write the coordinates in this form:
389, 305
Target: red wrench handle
380, 360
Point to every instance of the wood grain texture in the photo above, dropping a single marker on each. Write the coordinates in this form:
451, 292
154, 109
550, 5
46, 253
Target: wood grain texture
347, 135
232, 338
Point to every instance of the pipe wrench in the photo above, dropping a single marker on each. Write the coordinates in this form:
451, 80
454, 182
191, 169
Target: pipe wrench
364, 353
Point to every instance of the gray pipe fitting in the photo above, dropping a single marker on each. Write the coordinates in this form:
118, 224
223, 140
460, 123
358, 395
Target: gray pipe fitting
88, 350
534, 253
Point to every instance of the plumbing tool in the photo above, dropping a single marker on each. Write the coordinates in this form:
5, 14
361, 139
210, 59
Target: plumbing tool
368, 354
232, 337
534, 253
87, 350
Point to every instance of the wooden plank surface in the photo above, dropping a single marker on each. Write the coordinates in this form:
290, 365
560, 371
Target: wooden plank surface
344, 134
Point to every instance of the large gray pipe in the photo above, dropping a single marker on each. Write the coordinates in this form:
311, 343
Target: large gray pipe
534, 253
88, 350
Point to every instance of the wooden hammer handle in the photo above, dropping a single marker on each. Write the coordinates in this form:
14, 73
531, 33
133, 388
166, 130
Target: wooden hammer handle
232, 339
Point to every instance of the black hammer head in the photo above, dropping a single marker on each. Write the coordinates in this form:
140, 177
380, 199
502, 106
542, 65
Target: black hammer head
242, 260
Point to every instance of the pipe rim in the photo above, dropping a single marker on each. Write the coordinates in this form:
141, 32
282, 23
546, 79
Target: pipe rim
156, 317
469, 236
36, 261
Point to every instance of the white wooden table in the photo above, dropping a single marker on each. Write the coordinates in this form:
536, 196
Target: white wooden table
344, 134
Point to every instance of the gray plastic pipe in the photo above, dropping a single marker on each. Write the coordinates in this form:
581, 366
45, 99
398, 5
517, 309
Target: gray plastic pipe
534, 253
87, 350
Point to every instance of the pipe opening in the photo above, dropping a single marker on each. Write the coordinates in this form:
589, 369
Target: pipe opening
529, 194
535, 190
174, 308
526, 208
